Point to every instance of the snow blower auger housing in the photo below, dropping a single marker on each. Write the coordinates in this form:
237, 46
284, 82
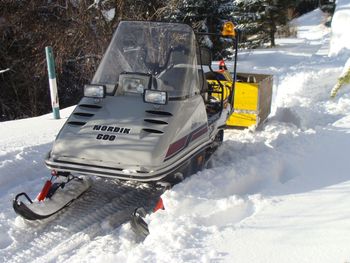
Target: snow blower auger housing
146, 116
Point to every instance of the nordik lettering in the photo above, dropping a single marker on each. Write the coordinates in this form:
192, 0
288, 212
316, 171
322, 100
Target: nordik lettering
114, 129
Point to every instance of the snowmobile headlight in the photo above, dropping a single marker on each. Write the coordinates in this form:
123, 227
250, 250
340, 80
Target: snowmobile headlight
134, 83
94, 91
155, 96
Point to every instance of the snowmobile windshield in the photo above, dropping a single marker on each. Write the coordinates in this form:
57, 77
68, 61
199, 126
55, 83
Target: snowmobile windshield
162, 54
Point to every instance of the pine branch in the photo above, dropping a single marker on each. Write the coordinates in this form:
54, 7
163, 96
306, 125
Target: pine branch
345, 79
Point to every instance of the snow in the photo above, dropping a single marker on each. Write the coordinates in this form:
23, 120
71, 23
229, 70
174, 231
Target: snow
109, 15
277, 193
4, 70
340, 33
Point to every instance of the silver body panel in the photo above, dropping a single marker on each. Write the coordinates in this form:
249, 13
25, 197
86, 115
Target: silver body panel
137, 154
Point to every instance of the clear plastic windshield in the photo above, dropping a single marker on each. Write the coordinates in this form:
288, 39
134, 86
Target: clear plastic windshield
164, 51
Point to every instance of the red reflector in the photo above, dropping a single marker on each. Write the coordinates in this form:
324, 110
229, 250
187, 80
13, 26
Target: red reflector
222, 65
42, 195
159, 205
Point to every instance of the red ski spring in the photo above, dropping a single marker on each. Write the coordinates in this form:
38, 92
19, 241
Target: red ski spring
42, 195
159, 205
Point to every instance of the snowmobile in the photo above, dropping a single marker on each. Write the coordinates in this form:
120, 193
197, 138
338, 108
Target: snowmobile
149, 115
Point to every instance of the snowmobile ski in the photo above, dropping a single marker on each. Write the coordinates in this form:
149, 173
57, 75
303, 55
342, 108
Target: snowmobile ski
138, 224
60, 195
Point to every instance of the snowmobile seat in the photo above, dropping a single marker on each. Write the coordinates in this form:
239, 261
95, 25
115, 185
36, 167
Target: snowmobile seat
173, 76
202, 81
204, 56
178, 55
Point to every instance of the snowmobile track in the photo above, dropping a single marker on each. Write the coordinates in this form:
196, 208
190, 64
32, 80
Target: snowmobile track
107, 202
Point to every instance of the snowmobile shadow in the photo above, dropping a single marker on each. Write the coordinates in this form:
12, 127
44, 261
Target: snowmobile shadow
105, 206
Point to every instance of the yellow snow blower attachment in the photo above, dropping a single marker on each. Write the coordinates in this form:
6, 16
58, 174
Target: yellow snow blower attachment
252, 100
252, 97
249, 94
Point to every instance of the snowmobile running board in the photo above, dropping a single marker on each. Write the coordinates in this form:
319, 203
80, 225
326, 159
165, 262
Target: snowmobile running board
37, 210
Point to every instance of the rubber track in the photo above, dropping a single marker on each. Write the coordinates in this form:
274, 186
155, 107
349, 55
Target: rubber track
106, 201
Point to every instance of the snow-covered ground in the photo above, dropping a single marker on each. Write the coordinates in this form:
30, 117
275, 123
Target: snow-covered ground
280, 193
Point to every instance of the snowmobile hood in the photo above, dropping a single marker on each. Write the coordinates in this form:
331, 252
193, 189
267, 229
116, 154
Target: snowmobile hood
132, 136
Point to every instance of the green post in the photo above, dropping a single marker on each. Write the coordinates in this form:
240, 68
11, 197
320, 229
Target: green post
53, 83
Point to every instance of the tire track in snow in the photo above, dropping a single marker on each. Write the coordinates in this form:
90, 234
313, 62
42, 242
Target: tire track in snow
107, 205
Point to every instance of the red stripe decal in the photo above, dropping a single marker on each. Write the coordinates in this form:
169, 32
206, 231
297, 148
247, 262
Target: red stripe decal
199, 133
181, 144
176, 146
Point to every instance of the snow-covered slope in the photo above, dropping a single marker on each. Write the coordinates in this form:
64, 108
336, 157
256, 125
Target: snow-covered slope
280, 193
340, 33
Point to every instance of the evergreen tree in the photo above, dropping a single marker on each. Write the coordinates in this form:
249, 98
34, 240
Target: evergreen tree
78, 31
205, 16
250, 16
276, 15
259, 19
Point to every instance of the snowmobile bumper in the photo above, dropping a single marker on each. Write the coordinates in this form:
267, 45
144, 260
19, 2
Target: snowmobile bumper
169, 167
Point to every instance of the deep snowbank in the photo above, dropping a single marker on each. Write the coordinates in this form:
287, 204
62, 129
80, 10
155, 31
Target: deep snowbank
340, 31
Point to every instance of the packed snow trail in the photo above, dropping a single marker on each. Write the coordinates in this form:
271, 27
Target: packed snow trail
278, 193
105, 206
